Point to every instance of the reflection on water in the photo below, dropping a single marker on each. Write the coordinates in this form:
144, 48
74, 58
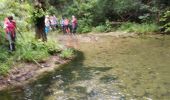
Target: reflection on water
107, 69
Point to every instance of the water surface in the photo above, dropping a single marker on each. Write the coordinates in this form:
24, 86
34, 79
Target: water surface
107, 69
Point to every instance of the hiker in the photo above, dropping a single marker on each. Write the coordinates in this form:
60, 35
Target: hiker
53, 20
74, 24
66, 25
47, 24
10, 26
62, 24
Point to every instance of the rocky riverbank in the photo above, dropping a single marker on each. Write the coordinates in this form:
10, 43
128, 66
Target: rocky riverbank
23, 73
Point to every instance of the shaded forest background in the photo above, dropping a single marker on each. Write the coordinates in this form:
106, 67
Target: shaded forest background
102, 13
95, 15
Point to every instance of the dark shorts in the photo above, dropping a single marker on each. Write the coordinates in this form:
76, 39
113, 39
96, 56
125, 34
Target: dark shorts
74, 29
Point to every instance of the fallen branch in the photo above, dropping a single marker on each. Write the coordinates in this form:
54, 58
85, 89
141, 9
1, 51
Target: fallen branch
38, 63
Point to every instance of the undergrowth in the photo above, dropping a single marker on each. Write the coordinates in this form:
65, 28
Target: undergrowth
67, 53
29, 50
139, 28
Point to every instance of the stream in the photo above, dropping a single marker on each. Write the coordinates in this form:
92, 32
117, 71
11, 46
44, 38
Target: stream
106, 68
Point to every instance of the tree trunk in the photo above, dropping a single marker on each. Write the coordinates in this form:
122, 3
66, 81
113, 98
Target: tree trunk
40, 24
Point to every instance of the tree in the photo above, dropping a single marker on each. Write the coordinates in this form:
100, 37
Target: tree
39, 6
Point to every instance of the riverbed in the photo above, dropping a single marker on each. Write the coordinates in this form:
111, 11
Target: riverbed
106, 68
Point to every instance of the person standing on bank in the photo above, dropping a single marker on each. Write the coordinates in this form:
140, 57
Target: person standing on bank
62, 24
53, 20
74, 24
47, 24
66, 26
10, 26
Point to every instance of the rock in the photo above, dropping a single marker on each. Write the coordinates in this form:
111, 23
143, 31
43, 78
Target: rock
57, 62
46, 65
1, 78
16, 72
12, 77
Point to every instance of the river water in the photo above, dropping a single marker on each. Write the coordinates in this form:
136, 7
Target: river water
106, 68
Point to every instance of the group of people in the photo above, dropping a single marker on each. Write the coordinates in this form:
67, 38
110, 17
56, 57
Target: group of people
67, 26
51, 23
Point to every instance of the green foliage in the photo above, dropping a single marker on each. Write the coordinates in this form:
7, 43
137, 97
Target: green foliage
32, 55
27, 49
93, 13
84, 11
52, 10
100, 28
37, 13
145, 17
138, 28
67, 53
84, 29
166, 20
4, 69
84, 25
30, 49
20, 12
108, 26
52, 47
4, 56
5, 61
28, 52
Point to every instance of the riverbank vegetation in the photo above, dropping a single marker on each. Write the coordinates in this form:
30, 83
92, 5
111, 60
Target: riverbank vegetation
109, 15
30, 50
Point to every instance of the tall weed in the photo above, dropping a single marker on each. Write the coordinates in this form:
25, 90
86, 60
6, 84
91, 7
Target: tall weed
139, 28
67, 53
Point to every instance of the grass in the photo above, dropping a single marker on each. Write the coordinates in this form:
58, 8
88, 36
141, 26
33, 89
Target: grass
139, 28
29, 50
67, 53
100, 28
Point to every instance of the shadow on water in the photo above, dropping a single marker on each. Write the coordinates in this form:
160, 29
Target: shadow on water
69, 73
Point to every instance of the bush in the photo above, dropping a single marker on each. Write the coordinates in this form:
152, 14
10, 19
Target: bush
100, 28
28, 50
5, 59
166, 21
84, 29
52, 47
108, 26
67, 53
138, 28
4, 69
5, 62
31, 55
84, 25
4, 56
20, 12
